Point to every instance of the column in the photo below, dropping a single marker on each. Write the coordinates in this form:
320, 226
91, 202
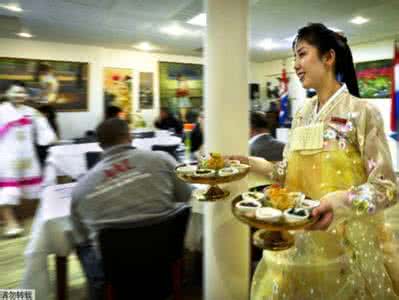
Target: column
226, 240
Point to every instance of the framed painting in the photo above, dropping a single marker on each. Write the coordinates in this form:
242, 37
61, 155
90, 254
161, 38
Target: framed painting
118, 89
181, 89
375, 78
62, 84
146, 90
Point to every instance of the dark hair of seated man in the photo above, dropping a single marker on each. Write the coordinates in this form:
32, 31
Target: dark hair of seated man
113, 132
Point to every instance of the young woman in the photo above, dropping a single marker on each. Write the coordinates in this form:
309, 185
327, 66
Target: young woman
20, 128
337, 153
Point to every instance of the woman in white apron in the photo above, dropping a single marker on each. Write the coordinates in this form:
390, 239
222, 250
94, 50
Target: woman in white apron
20, 127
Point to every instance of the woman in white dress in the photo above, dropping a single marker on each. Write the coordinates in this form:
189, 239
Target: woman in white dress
20, 127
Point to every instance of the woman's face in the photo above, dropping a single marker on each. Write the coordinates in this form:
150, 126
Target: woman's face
309, 67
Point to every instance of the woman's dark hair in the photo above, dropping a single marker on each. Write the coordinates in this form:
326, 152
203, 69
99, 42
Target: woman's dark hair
324, 39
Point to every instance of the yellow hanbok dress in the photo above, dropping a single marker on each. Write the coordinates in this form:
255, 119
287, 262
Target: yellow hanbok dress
341, 147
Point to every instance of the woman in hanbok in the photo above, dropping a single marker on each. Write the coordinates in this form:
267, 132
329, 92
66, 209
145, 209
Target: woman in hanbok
338, 154
20, 127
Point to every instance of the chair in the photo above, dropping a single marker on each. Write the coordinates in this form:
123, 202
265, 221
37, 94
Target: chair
171, 149
145, 261
92, 157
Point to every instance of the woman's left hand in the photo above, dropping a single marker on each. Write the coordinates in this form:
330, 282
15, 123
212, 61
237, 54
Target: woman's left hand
324, 213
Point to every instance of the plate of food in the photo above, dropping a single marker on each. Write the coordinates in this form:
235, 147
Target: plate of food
279, 212
213, 170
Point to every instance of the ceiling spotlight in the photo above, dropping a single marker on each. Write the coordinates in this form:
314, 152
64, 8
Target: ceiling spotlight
25, 35
144, 46
268, 44
359, 20
199, 20
12, 7
175, 30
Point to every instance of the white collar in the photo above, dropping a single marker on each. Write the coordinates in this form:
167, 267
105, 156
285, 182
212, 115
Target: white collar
329, 103
255, 137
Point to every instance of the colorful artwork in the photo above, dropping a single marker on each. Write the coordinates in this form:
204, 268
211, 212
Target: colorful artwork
59, 83
375, 78
146, 90
181, 88
118, 90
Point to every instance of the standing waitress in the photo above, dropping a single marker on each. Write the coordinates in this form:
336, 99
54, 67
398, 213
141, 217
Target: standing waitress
337, 153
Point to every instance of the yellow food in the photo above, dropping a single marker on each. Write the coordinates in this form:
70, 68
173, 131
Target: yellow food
279, 199
215, 162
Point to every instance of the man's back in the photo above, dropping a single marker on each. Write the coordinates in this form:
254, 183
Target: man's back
267, 147
128, 185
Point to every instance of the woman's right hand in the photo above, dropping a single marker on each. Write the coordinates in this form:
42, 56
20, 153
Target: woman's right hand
243, 159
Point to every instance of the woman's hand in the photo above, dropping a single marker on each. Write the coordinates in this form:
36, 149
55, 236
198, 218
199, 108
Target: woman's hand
324, 215
325, 211
243, 159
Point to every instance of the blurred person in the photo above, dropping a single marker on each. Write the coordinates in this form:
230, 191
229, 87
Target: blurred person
197, 134
49, 84
167, 121
20, 127
113, 111
126, 185
262, 144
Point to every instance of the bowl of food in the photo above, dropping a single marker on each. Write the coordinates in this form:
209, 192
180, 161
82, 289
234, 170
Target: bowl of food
295, 215
268, 214
252, 196
228, 171
248, 207
204, 173
186, 169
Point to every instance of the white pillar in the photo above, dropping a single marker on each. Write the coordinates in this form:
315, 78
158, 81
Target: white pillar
226, 240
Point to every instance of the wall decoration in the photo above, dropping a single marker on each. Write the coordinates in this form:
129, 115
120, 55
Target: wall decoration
146, 90
375, 78
63, 84
181, 89
118, 89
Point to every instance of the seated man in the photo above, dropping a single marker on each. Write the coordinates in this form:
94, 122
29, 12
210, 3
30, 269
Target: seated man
262, 144
167, 121
127, 185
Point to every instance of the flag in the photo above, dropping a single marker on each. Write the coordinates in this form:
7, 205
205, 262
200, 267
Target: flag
283, 115
395, 93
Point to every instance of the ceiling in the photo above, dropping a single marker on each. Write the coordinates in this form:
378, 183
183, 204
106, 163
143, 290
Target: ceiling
121, 23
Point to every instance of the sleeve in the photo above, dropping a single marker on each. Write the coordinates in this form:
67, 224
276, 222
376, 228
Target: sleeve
380, 191
80, 234
44, 133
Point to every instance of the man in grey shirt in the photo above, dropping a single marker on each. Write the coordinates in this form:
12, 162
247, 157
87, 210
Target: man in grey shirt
127, 185
262, 144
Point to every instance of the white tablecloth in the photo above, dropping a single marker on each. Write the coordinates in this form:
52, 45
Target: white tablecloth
70, 159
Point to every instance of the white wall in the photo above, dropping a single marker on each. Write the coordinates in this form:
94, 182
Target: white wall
361, 52
74, 124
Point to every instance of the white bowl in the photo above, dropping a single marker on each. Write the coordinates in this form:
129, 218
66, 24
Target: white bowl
250, 196
241, 207
292, 218
227, 171
268, 214
204, 172
187, 169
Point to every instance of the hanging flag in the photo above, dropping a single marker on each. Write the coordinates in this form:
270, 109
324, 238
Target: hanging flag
283, 116
395, 94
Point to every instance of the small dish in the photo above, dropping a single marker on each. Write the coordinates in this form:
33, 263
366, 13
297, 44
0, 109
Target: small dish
268, 214
227, 171
293, 215
250, 196
204, 172
297, 198
246, 206
186, 169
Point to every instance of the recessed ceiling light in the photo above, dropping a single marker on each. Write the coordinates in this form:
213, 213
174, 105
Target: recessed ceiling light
268, 44
13, 7
177, 30
199, 20
25, 35
291, 38
359, 20
144, 46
